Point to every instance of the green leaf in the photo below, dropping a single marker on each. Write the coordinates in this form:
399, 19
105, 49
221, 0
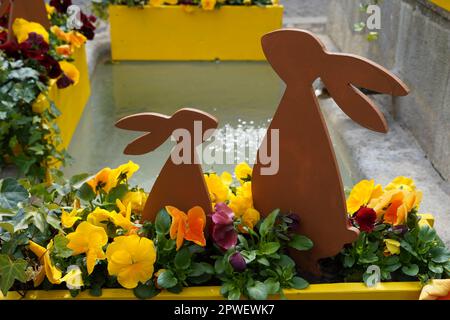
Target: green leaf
183, 259
234, 294
286, 262
86, 193
60, 247
272, 286
439, 255
11, 271
349, 261
257, 291
219, 265
435, 268
269, 248
268, 223
248, 256
117, 192
411, 270
7, 226
263, 261
12, 193
53, 220
427, 234
145, 291
162, 222
167, 279
301, 243
299, 283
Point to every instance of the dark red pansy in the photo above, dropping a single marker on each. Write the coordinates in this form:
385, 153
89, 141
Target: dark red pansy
366, 218
64, 82
34, 47
61, 5
52, 66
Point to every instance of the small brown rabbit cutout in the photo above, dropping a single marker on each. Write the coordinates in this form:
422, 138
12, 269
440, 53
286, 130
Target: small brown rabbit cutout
308, 182
31, 10
179, 185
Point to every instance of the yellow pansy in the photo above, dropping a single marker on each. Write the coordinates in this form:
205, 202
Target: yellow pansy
218, 186
123, 218
41, 103
50, 9
250, 218
88, 239
22, 28
392, 247
70, 71
275, 2
125, 171
361, 194
208, 4
52, 272
243, 172
69, 219
171, 2
247, 2
136, 199
131, 259
242, 200
103, 180
401, 183
100, 217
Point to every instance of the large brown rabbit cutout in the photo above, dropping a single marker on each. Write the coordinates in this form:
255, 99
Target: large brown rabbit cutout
308, 182
31, 10
179, 185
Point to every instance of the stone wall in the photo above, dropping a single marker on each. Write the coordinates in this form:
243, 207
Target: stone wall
414, 42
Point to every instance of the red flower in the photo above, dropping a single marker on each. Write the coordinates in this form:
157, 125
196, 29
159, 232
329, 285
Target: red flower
61, 5
34, 47
52, 66
223, 232
365, 218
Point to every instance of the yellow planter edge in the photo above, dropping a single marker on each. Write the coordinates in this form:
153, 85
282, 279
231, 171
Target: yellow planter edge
160, 33
71, 101
445, 4
336, 291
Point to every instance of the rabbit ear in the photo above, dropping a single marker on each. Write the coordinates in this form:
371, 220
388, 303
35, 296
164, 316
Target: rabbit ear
145, 143
364, 73
357, 106
145, 122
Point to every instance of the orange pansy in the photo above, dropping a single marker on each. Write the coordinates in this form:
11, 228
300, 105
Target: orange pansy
187, 226
390, 215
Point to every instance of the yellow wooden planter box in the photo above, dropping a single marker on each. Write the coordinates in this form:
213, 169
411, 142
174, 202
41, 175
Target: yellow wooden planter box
191, 33
338, 291
72, 100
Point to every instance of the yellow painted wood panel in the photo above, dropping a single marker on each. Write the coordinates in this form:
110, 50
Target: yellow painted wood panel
173, 33
72, 100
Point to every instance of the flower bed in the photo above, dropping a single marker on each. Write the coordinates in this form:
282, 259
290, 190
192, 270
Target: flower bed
160, 33
85, 234
42, 71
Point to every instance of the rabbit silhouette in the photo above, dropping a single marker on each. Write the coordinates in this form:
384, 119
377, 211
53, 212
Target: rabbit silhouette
181, 185
308, 182
31, 10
